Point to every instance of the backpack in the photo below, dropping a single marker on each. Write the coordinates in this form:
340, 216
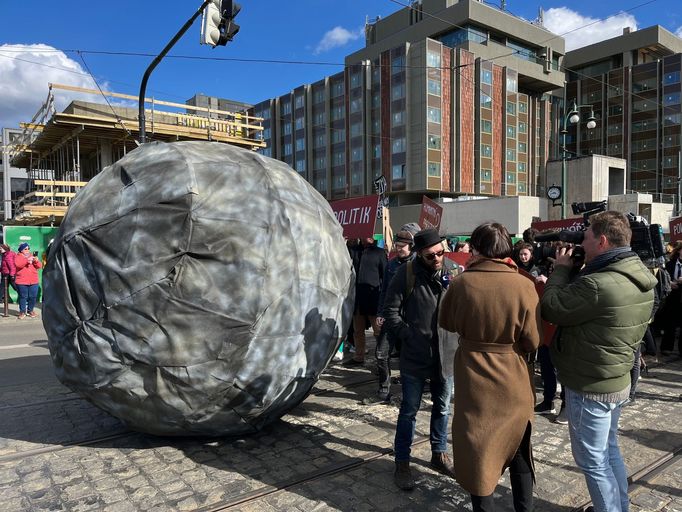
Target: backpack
664, 284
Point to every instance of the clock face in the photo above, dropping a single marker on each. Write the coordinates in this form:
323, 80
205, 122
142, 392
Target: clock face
554, 192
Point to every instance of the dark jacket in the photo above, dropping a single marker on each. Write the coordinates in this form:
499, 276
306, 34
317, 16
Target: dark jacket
372, 266
415, 322
602, 316
391, 268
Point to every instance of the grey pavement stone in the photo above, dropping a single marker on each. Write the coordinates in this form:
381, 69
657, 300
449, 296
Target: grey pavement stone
141, 472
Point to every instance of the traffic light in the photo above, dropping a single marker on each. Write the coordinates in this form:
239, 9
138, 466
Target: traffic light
218, 25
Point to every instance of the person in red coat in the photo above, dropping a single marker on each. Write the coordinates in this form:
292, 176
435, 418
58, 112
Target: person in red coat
27, 280
7, 269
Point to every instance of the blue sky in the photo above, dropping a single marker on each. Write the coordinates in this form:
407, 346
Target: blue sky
298, 30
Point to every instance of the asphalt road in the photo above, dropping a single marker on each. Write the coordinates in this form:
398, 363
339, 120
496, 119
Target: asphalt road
24, 357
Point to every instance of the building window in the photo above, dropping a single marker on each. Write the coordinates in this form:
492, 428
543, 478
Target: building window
376, 100
338, 158
671, 98
287, 149
286, 129
511, 85
320, 162
434, 87
511, 155
356, 155
398, 145
300, 165
486, 126
511, 177
486, 174
433, 114
356, 130
522, 147
433, 59
300, 144
433, 141
486, 76
318, 97
356, 105
522, 188
376, 150
338, 135
319, 141
511, 108
486, 101
286, 107
355, 79
523, 107
521, 166
299, 101
433, 169
398, 65
397, 118
523, 127
671, 78
337, 113
299, 123
337, 89
511, 131
398, 91
398, 172
319, 118
486, 150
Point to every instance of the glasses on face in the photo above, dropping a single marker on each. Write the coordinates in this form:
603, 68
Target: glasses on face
433, 255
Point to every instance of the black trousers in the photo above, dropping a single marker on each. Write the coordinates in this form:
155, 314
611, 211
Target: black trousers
521, 477
383, 350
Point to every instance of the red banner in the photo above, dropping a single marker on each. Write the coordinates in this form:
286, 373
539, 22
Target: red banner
430, 215
461, 258
676, 229
357, 216
575, 224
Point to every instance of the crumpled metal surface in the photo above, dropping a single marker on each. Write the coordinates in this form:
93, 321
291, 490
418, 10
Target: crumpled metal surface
196, 288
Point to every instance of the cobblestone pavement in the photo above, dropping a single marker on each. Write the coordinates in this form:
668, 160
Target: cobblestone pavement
330, 453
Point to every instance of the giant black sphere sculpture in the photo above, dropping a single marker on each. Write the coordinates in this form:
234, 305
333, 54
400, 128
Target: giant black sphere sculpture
196, 288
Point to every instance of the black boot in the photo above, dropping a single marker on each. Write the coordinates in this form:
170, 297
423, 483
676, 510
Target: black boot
403, 476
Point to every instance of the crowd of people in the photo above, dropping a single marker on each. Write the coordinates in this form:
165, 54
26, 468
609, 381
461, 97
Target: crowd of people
588, 322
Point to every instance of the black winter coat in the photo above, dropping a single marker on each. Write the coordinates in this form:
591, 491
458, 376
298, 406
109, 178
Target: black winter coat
415, 324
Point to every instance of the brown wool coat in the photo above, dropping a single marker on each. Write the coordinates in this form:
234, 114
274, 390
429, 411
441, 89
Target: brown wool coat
496, 312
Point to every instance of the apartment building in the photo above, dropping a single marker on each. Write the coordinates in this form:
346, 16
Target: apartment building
632, 83
446, 99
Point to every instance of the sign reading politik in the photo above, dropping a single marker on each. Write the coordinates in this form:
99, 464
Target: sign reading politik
357, 216
430, 215
676, 229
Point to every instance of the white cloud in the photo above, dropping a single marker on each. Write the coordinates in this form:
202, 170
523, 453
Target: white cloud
336, 37
26, 70
678, 32
561, 20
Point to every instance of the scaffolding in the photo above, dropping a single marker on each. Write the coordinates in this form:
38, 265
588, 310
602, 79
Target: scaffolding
61, 151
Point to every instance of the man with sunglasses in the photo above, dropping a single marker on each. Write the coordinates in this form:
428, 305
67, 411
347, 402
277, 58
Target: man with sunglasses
411, 315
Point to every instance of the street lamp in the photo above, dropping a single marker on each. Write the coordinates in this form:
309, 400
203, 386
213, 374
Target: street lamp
572, 117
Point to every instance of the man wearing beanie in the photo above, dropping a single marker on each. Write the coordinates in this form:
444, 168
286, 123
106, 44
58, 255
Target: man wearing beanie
402, 244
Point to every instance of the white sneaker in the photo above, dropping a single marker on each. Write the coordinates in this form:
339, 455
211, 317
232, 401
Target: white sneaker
562, 418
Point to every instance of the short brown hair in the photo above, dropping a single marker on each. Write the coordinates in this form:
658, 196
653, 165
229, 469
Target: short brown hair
492, 240
5, 247
614, 226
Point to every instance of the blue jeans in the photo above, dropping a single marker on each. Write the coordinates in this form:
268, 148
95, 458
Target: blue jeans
413, 388
28, 293
593, 428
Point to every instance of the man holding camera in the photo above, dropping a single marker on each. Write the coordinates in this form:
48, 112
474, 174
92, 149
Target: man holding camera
602, 316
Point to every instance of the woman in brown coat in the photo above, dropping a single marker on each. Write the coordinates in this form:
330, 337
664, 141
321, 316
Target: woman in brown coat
495, 310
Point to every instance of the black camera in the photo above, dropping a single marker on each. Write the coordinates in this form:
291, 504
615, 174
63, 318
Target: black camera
545, 250
646, 242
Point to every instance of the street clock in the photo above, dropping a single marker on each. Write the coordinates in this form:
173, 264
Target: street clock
554, 192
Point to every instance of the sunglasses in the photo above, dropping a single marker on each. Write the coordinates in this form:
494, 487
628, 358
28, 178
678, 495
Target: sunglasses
432, 256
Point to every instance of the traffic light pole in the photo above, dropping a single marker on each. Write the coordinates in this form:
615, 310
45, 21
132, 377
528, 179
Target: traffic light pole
155, 62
